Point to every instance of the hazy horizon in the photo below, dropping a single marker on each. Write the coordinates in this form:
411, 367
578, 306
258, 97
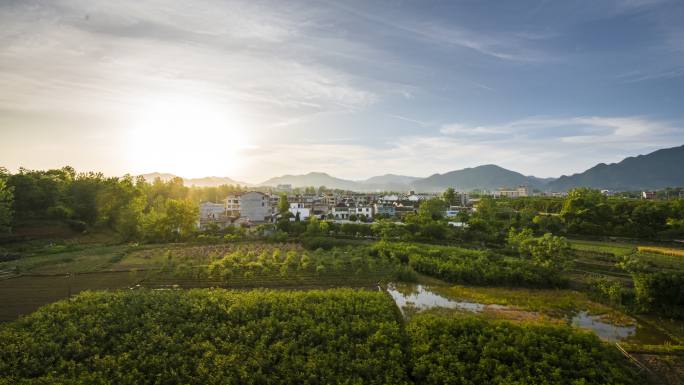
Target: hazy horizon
256, 89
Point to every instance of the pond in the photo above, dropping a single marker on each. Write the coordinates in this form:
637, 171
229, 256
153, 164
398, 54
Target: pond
416, 297
421, 298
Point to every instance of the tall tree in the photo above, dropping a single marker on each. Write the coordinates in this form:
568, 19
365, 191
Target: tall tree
6, 203
283, 205
432, 209
449, 196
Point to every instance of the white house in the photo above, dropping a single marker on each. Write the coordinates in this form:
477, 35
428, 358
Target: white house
340, 211
366, 211
389, 198
416, 197
298, 208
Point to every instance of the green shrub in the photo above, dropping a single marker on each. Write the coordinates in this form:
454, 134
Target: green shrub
476, 351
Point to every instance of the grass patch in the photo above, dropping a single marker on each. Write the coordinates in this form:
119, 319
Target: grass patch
617, 249
558, 303
83, 260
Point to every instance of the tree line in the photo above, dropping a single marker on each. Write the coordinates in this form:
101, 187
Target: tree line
130, 206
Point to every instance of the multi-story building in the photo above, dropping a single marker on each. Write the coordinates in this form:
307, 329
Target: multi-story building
340, 211
384, 210
210, 212
253, 205
648, 195
520, 191
366, 211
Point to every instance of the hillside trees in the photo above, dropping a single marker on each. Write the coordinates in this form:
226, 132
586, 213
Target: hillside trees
6, 202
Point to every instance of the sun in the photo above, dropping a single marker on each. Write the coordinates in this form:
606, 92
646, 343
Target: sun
187, 137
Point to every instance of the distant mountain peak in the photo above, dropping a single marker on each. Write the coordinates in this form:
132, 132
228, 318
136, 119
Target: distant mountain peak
659, 169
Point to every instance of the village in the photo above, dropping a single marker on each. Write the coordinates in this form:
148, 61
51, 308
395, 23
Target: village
250, 208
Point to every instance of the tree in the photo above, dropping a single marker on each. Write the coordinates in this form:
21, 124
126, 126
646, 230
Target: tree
449, 196
585, 211
170, 220
313, 227
432, 209
6, 202
283, 205
547, 251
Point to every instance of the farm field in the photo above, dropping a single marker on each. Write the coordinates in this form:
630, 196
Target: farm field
44, 278
40, 279
337, 336
605, 260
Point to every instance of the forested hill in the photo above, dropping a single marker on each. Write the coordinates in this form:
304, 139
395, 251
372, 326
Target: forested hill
314, 179
659, 169
489, 177
209, 181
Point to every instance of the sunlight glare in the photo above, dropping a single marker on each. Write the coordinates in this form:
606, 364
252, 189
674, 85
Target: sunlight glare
187, 137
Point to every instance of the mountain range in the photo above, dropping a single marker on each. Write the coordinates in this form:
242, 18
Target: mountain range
659, 169
208, 181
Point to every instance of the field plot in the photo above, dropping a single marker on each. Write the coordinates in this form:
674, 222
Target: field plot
46, 278
470, 350
208, 337
23, 295
57, 261
661, 250
614, 248
259, 265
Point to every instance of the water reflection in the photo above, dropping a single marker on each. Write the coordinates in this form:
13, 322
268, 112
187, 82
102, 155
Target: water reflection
410, 298
604, 330
421, 298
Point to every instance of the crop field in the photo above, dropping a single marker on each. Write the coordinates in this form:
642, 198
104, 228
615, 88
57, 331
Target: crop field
602, 261
661, 250
64, 260
614, 248
253, 265
338, 336
44, 278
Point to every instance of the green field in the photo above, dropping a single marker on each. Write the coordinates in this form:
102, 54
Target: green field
340, 336
45, 277
615, 248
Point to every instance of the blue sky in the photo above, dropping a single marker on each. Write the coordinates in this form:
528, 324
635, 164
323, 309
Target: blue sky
252, 89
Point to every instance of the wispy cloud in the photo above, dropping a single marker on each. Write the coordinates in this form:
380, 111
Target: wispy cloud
411, 120
594, 129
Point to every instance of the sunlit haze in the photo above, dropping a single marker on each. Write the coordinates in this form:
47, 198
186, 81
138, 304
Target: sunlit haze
255, 89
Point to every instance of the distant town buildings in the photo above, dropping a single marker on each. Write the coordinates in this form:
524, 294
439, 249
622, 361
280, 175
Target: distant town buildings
254, 207
648, 195
520, 191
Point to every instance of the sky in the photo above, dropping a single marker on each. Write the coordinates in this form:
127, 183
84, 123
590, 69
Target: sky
253, 89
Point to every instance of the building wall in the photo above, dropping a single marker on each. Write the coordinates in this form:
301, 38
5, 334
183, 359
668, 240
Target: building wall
233, 205
255, 206
211, 210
